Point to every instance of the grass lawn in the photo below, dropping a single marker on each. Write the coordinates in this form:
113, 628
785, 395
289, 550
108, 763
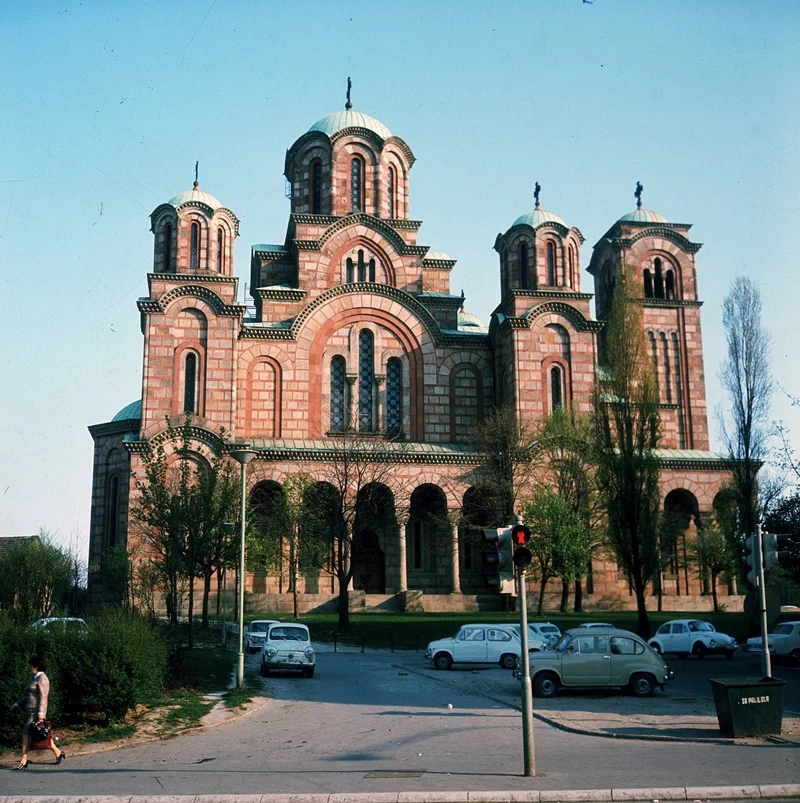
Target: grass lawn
409, 631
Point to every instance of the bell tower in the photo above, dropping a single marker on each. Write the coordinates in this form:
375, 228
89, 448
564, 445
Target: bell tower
659, 260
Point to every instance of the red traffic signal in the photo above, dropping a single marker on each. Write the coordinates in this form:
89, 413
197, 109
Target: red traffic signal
522, 557
520, 535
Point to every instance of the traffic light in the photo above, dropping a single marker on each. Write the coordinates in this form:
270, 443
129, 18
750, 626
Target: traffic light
753, 542
496, 560
520, 535
769, 546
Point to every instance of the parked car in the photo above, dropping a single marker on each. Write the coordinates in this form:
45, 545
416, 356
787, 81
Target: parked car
535, 642
692, 636
609, 657
782, 642
546, 631
594, 624
256, 633
288, 646
477, 644
61, 624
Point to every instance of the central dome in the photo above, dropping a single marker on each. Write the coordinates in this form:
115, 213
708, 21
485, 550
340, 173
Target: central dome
641, 215
338, 121
195, 195
538, 216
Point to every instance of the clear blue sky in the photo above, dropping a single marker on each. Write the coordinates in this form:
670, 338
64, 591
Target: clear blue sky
105, 106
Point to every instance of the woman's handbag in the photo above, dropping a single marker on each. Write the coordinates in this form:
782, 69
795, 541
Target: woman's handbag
42, 735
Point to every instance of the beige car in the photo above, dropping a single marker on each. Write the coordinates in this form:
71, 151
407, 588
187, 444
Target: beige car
602, 657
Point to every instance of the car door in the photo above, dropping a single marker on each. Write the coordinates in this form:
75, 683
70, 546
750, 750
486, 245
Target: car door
500, 642
679, 637
625, 654
664, 636
586, 662
470, 646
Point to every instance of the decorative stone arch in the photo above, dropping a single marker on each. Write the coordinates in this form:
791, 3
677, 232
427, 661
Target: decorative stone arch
670, 259
681, 484
678, 241
250, 396
346, 310
388, 265
203, 431
316, 150
210, 303
559, 309
424, 476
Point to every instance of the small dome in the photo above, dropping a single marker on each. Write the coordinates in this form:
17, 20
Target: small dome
643, 216
470, 323
538, 216
130, 412
195, 195
349, 119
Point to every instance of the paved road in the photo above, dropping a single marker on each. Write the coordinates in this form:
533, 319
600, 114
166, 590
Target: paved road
365, 714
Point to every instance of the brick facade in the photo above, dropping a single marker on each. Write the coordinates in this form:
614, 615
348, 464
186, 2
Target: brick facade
353, 323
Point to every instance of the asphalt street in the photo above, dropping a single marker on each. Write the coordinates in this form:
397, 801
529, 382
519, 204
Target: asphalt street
365, 723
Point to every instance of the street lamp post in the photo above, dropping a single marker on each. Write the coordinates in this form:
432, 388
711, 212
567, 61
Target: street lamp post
242, 456
227, 528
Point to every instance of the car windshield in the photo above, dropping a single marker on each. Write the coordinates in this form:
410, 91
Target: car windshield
288, 634
785, 630
259, 627
705, 627
561, 644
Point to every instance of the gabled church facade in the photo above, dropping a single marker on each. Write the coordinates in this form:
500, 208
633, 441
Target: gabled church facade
354, 326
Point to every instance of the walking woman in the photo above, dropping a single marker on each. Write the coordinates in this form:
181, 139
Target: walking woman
35, 702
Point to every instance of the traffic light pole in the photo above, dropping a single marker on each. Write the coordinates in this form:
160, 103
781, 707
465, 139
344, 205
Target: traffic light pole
529, 757
762, 603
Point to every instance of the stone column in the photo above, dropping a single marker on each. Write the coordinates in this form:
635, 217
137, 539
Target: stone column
351, 415
402, 516
348, 555
453, 518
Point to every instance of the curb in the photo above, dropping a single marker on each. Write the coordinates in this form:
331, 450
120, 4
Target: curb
689, 793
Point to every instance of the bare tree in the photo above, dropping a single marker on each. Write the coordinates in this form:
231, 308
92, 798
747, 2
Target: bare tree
626, 432
745, 375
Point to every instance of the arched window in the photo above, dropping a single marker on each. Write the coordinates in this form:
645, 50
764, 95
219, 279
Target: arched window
372, 270
551, 263
167, 253
659, 280
667, 368
670, 291
190, 383
648, 283
220, 249
653, 353
571, 277
362, 268
391, 184
394, 396
349, 271
338, 420
504, 270
356, 185
316, 188
556, 388
194, 246
113, 511
366, 380
523, 266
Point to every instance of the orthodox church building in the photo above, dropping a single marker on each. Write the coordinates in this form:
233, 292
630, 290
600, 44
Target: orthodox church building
354, 325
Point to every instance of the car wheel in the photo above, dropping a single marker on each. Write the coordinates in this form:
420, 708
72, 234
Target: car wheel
442, 660
508, 661
642, 685
794, 657
309, 672
545, 684
656, 648
700, 650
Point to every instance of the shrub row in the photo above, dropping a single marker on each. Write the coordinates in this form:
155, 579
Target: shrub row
119, 663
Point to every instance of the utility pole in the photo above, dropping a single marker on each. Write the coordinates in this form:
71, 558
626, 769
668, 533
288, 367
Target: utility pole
528, 751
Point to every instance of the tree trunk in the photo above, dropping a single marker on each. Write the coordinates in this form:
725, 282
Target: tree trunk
714, 591
219, 589
578, 604
293, 573
643, 626
207, 575
191, 613
344, 602
564, 595
542, 587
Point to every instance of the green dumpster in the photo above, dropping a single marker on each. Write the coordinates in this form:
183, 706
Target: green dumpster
748, 706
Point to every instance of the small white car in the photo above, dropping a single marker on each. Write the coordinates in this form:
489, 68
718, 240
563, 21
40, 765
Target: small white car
546, 631
595, 624
61, 624
535, 642
783, 642
477, 644
691, 637
256, 633
288, 646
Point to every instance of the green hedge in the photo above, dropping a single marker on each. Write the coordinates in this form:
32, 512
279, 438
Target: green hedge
119, 663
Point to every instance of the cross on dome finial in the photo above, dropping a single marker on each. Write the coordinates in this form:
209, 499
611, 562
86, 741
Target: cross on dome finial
348, 105
536, 190
196, 172
638, 194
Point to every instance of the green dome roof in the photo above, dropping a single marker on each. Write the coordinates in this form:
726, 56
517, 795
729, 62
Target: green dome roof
197, 195
338, 121
643, 216
130, 412
538, 216
470, 323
